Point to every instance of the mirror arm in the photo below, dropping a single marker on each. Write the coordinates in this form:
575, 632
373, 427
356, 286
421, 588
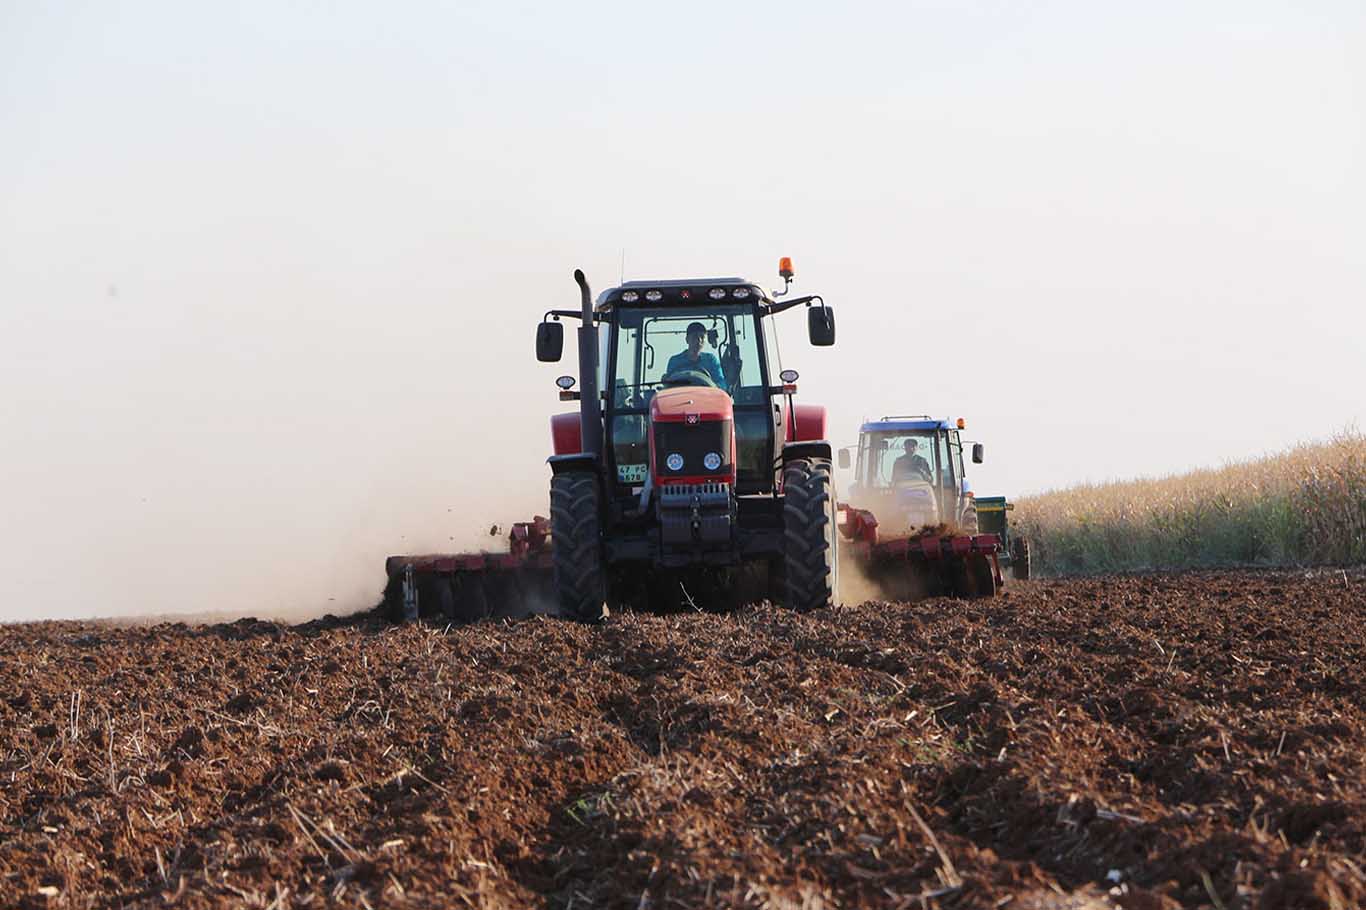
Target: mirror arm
772, 309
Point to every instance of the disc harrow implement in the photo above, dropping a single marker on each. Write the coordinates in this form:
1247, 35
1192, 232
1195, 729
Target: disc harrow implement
467, 587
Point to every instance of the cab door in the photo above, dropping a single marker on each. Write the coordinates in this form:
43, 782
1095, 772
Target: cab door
757, 437
946, 486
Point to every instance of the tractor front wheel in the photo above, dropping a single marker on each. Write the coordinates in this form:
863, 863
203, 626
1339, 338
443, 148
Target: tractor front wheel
809, 557
577, 544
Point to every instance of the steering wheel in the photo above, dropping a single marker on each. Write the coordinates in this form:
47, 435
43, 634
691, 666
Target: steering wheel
912, 475
686, 378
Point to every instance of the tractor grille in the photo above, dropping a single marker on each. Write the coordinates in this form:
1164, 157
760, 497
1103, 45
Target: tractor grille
693, 441
695, 515
710, 493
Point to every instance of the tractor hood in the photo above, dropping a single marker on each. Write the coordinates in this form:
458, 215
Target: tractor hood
692, 438
690, 404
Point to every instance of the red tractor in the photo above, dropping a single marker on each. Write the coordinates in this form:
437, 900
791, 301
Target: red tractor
689, 475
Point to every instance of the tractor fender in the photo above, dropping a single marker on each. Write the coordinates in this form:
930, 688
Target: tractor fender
806, 424
565, 433
813, 448
577, 461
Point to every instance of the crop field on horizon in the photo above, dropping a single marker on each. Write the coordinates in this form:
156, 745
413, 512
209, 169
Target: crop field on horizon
1306, 506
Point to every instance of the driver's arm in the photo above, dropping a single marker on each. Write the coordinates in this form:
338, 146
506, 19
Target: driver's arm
713, 368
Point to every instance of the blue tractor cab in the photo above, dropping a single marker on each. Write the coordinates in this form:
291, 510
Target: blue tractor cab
916, 465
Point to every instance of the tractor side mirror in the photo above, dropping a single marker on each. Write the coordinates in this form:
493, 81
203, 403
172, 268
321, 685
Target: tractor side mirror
549, 342
844, 459
977, 451
820, 326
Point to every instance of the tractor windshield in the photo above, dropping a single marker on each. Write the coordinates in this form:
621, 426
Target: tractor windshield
699, 346
901, 458
654, 345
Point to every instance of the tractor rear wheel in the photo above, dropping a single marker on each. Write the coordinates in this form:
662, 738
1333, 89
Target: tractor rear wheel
1019, 558
809, 557
580, 586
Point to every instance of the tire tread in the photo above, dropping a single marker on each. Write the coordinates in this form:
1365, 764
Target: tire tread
809, 534
577, 545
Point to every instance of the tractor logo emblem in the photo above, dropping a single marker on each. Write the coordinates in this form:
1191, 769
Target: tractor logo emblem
692, 418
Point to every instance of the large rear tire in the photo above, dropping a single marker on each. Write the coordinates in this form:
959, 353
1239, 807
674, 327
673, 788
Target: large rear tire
580, 585
810, 561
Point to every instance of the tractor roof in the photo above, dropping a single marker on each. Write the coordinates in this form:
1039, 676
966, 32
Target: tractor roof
905, 424
677, 292
683, 282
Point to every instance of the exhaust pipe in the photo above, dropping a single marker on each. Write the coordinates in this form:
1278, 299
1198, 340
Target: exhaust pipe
590, 409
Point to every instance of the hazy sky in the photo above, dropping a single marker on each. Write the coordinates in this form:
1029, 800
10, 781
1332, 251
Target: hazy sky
269, 273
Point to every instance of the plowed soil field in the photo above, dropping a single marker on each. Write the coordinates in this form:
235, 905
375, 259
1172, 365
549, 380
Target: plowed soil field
1145, 742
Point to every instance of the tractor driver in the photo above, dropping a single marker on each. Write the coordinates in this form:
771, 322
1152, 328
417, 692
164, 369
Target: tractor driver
911, 467
694, 358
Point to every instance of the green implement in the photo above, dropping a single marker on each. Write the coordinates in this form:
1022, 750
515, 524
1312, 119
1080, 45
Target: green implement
992, 519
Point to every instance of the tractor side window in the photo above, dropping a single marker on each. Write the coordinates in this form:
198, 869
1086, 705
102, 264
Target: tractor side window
604, 337
867, 460
956, 448
739, 355
771, 350
942, 460
632, 358
744, 375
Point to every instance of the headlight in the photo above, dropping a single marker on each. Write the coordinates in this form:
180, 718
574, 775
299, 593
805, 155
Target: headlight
630, 296
712, 461
653, 296
674, 462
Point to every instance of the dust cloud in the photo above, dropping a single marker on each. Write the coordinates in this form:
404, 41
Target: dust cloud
242, 469
855, 585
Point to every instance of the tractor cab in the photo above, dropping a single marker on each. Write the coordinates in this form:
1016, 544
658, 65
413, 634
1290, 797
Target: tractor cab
697, 365
690, 384
910, 470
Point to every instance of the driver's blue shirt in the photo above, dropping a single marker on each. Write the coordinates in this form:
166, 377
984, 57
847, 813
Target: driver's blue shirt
705, 363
